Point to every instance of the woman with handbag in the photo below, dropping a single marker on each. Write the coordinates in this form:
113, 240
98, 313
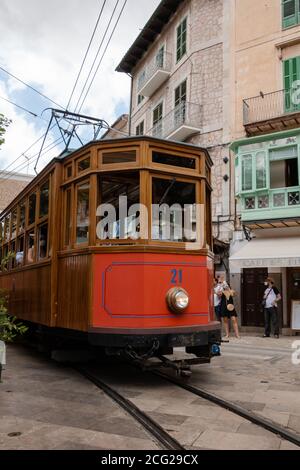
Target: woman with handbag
227, 311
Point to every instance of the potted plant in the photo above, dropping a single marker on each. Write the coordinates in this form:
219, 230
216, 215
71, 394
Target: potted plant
10, 328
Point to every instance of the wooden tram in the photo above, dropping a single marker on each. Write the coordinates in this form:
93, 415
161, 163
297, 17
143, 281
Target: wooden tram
143, 296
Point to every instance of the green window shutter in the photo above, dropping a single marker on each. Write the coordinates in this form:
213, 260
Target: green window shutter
290, 13
181, 40
291, 73
247, 173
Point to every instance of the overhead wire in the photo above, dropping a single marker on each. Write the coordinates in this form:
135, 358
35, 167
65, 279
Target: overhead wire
24, 164
97, 53
104, 52
31, 87
18, 106
86, 53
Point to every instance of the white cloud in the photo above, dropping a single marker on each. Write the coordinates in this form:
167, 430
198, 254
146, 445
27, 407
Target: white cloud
44, 42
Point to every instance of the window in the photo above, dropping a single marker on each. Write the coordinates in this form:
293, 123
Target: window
290, 12
82, 213
110, 189
68, 218
291, 72
181, 40
20, 251
42, 241
32, 207
30, 247
174, 160
247, 180
261, 174
140, 128
22, 217
140, 99
125, 156
180, 104
141, 79
157, 120
284, 171
180, 93
44, 199
68, 171
14, 223
169, 221
83, 164
159, 59
7, 228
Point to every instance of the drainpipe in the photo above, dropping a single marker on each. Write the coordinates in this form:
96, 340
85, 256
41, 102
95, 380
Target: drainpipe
130, 107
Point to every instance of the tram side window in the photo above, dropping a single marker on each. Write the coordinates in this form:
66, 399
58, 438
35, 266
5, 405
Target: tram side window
32, 206
173, 210
68, 217
14, 223
12, 249
124, 156
82, 213
110, 188
20, 251
42, 241
44, 199
22, 217
7, 228
30, 247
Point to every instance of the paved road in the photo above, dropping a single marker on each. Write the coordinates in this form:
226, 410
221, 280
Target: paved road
54, 408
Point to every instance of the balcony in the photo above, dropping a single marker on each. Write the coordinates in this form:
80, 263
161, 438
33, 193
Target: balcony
271, 112
274, 204
155, 75
179, 124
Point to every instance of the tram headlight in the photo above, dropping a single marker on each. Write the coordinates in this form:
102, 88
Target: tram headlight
178, 299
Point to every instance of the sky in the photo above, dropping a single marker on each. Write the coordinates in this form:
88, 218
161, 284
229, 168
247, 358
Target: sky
43, 43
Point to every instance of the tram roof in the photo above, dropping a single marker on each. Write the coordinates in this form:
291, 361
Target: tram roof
66, 153
106, 142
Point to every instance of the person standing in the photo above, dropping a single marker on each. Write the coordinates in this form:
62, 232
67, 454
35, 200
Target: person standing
228, 312
217, 299
271, 297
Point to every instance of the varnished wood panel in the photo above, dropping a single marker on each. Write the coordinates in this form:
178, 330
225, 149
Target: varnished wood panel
74, 291
29, 293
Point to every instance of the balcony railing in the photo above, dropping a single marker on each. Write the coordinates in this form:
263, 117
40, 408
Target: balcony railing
155, 74
272, 204
180, 123
269, 106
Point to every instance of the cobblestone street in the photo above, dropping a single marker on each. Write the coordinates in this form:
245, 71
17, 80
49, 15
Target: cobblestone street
47, 406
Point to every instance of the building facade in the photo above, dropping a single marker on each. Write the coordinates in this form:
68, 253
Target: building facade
120, 128
223, 74
266, 150
11, 184
180, 68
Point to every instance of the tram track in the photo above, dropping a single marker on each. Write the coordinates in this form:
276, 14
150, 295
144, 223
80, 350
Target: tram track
156, 431
236, 409
161, 435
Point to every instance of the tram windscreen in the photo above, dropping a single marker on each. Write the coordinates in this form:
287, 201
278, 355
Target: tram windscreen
118, 193
173, 210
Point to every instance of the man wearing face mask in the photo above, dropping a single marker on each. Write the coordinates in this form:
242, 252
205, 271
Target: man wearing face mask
271, 297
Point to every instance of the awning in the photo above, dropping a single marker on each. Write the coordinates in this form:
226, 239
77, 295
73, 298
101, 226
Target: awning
268, 253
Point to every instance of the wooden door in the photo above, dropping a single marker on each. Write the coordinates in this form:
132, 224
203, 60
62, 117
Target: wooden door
293, 289
252, 294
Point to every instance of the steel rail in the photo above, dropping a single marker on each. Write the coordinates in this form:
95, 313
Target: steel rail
165, 439
238, 410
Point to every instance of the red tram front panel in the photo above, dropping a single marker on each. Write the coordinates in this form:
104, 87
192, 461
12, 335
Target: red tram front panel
129, 290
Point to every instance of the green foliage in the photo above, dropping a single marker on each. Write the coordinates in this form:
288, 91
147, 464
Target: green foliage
5, 261
10, 328
4, 123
